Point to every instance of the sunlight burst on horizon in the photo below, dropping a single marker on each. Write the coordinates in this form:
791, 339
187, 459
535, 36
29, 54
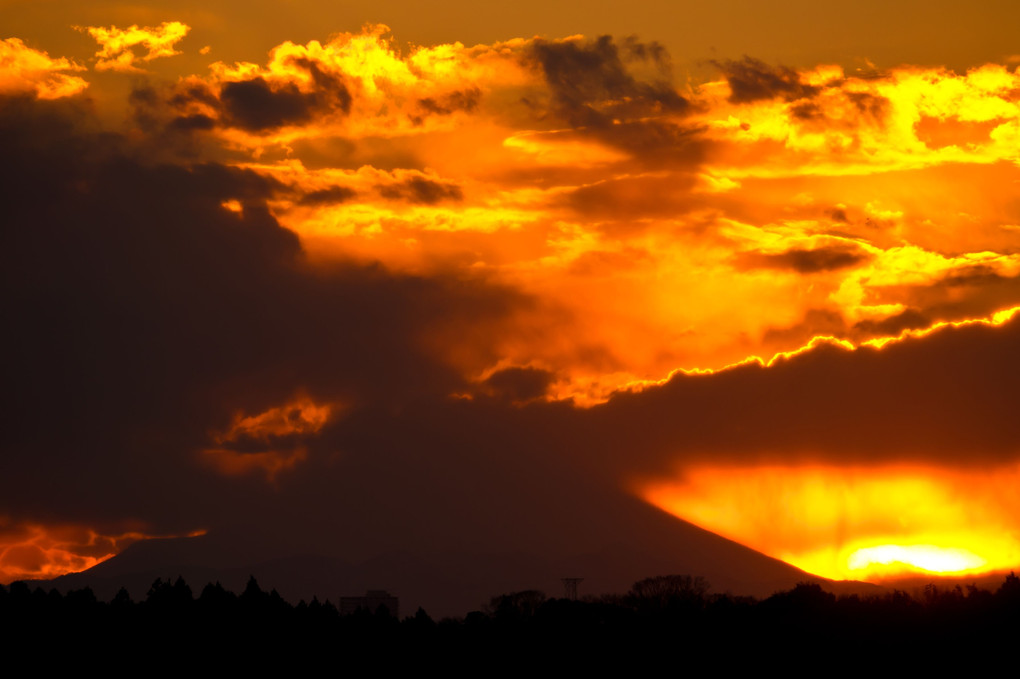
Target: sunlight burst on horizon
857, 523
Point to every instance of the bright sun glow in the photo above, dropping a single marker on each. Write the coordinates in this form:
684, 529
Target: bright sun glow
857, 523
926, 557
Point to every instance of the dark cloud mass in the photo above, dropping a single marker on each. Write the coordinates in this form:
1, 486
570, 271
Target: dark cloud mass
753, 80
332, 195
597, 87
459, 100
804, 260
910, 319
975, 291
592, 85
421, 190
193, 122
147, 315
945, 399
519, 384
869, 104
255, 105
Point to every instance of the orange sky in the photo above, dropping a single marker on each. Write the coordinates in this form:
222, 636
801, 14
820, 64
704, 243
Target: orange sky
712, 193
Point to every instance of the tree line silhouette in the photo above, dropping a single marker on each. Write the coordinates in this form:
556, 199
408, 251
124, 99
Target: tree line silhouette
660, 619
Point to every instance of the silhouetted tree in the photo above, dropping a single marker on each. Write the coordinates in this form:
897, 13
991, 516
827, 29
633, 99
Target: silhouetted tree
169, 596
420, 621
121, 600
516, 606
664, 590
1010, 588
252, 593
81, 602
214, 596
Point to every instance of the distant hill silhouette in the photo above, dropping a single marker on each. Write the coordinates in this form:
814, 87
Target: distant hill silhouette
639, 539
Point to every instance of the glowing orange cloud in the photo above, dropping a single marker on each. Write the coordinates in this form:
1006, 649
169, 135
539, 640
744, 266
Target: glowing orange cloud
867, 523
116, 44
998, 318
653, 239
293, 418
270, 440
857, 523
824, 213
267, 462
23, 69
31, 550
431, 89
851, 125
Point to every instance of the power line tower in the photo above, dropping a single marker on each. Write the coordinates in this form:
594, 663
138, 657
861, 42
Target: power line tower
570, 587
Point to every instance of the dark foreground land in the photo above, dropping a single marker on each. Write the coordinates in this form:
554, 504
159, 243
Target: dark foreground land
667, 623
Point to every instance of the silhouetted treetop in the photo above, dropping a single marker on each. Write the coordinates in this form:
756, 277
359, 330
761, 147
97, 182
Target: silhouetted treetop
664, 590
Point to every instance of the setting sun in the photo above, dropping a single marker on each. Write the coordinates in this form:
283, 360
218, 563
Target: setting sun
857, 523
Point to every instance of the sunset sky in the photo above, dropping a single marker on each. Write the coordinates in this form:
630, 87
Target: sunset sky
380, 273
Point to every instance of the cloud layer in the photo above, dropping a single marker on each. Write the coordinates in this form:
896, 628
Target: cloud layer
475, 274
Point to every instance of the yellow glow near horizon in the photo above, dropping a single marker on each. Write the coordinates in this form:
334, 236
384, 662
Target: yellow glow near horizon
926, 557
857, 523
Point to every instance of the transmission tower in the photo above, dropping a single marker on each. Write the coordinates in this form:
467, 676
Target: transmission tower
570, 587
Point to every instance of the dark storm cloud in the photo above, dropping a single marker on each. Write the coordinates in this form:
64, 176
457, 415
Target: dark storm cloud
827, 322
803, 260
420, 190
753, 80
653, 51
169, 126
591, 85
332, 195
258, 105
657, 143
519, 384
870, 104
978, 275
807, 111
910, 319
967, 292
870, 107
186, 93
255, 105
193, 122
445, 104
962, 294
144, 316
946, 399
